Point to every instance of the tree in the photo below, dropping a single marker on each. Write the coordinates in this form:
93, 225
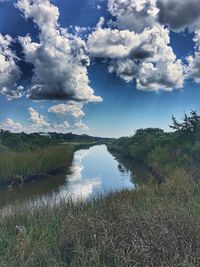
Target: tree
175, 125
190, 125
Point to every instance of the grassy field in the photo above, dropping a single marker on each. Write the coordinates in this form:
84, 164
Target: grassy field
157, 225
14, 165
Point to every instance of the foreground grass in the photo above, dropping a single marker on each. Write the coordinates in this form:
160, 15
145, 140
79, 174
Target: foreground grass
14, 165
151, 226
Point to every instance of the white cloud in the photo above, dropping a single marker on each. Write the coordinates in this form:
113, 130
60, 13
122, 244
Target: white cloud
193, 69
113, 43
78, 188
136, 47
69, 109
9, 71
59, 127
146, 56
125, 68
60, 59
13, 94
134, 15
101, 22
81, 126
39, 123
162, 75
10, 125
36, 119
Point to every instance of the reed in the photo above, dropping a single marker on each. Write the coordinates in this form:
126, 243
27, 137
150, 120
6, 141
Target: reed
155, 225
25, 164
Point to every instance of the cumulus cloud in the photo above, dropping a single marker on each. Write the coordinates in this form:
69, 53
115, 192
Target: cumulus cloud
145, 57
40, 123
135, 15
13, 94
59, 127
126, 68
179, 15
193, 69
60, 60
9, 71
36, 119
113, 43
36, 123
162, 75
101, 22
10, 125
80, 125
72, 111
69, 109
135, 45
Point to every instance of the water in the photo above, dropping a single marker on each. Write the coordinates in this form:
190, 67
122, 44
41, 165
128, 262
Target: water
93, 171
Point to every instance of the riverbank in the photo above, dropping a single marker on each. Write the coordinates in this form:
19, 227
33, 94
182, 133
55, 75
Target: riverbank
157, 225
17, 168
140, 171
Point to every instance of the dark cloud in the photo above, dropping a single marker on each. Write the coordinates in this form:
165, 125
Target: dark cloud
52, 92
179, 14
140, 53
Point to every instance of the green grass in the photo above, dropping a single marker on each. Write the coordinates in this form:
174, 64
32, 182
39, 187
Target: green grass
41, 161
153, 226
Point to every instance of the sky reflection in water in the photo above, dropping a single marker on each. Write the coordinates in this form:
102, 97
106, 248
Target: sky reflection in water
93, 171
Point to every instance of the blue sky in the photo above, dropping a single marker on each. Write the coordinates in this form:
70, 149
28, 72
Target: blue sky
125, 106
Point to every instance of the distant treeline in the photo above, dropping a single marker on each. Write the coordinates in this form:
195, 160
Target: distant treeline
165, 152
23, 141
66, 137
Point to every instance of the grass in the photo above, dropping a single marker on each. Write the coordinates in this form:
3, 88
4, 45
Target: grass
155, 225
41, 161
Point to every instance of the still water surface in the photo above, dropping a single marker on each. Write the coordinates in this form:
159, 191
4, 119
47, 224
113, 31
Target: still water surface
93, 171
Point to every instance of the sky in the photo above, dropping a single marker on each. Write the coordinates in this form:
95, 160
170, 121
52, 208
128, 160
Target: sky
98, 67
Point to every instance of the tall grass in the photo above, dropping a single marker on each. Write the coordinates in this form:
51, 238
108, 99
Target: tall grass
153, 226
25, 164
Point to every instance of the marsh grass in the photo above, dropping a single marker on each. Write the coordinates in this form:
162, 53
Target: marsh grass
153, 226
25, 164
